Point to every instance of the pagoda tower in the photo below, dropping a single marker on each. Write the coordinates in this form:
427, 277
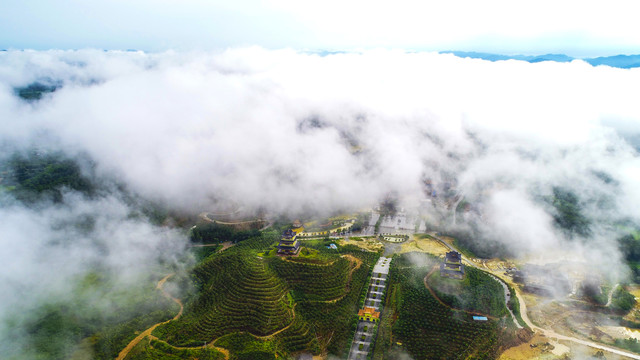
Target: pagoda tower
289, 244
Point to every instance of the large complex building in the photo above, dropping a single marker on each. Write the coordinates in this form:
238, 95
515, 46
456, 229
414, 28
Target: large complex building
452, 266
401, 223
289, 244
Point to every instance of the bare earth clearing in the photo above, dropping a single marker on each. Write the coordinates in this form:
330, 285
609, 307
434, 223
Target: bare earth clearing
424, 245
366, 243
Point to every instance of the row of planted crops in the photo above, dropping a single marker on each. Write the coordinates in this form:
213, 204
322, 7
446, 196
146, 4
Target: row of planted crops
286, 306
427, 329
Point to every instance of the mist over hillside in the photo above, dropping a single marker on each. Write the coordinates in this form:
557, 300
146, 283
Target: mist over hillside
543, 153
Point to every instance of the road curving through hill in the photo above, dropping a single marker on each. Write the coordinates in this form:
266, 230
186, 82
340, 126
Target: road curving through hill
123, 354
525, 317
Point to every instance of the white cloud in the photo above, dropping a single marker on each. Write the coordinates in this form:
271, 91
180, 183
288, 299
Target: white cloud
48, 249
291, 131
187, 127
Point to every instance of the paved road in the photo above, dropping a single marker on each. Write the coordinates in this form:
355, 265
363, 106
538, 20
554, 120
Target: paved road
507, 296
546, 332
553, 334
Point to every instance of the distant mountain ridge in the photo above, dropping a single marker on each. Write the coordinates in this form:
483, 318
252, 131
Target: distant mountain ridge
617, 61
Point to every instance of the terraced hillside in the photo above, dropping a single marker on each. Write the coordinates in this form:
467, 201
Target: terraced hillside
153, 349
287, 305
321, 282
237, 293
334, 321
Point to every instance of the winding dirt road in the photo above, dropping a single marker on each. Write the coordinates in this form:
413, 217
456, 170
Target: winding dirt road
552, 334
546, 332
147, 332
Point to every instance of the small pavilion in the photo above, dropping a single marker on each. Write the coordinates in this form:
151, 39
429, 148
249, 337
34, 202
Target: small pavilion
368, 314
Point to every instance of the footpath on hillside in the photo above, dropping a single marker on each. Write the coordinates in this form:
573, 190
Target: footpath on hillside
123, 354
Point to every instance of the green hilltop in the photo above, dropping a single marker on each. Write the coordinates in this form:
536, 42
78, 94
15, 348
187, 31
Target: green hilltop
277, 305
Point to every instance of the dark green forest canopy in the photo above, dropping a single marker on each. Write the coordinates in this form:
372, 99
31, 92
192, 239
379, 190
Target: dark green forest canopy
212, 233
472, 243
40, 175
622, 300
36, 90
568, 214
629, 246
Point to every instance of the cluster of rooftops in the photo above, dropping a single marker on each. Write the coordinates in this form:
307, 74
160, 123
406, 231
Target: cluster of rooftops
451, 267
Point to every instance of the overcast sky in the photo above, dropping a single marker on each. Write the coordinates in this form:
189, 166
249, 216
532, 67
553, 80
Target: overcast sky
577, 28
